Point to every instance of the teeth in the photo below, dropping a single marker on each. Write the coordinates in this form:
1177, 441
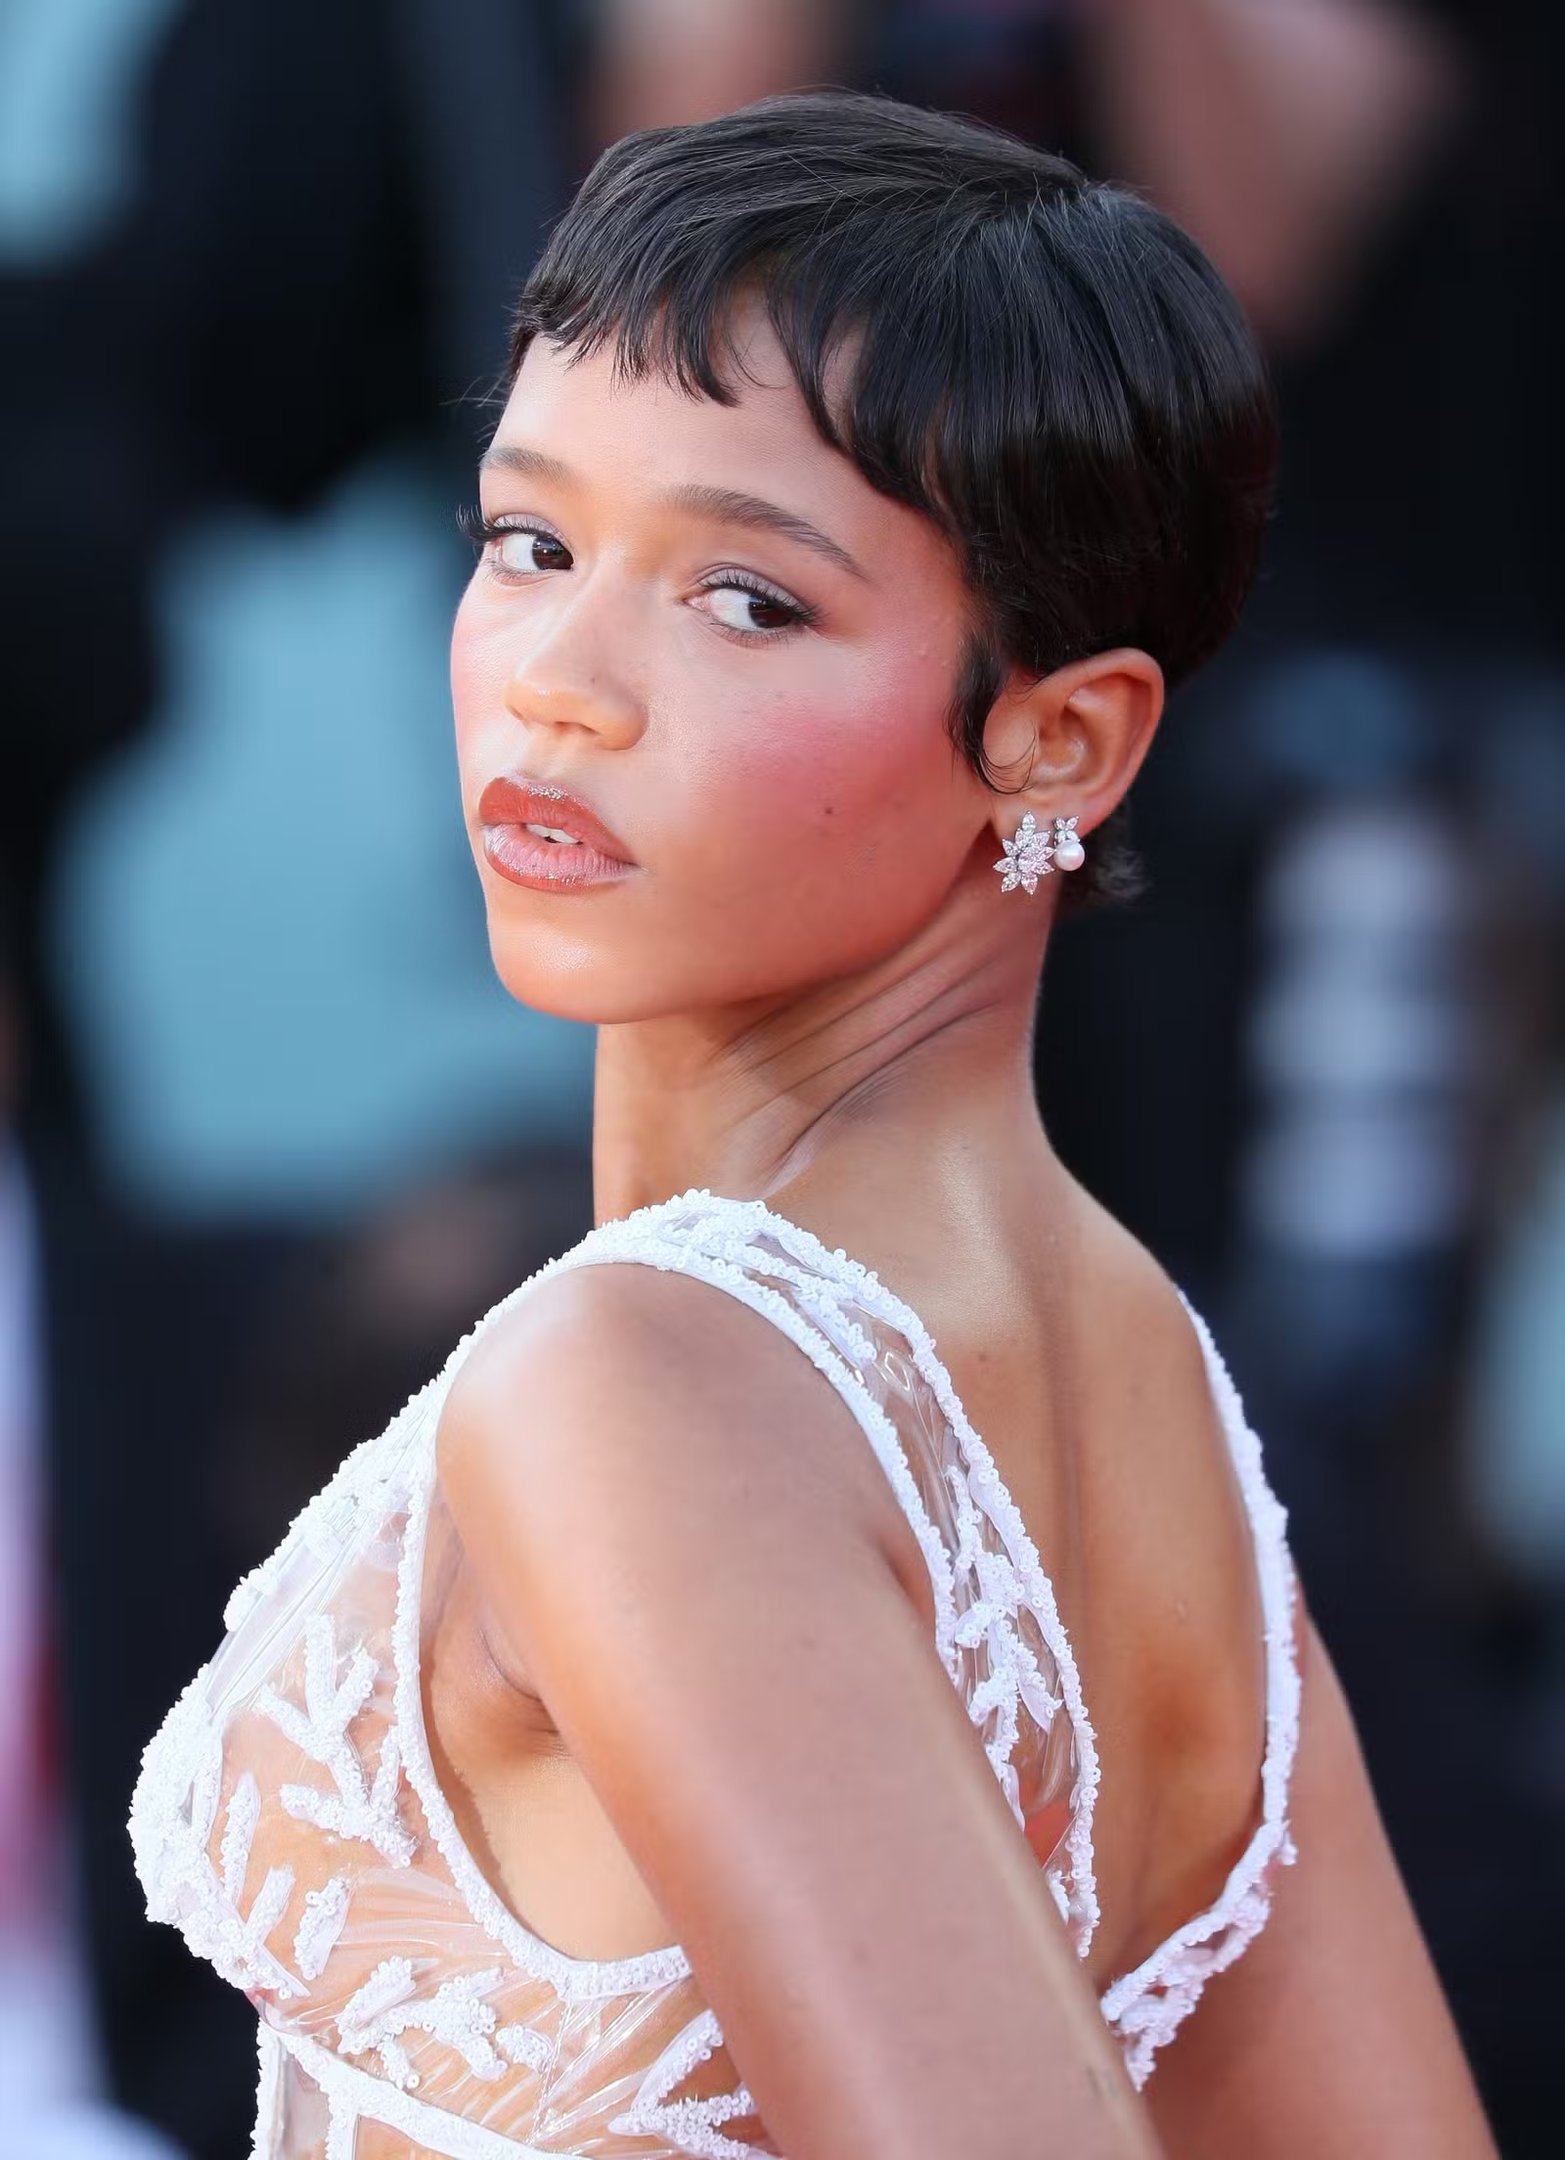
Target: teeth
552, 832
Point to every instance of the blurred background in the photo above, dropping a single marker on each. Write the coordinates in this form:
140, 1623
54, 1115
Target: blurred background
271, 1134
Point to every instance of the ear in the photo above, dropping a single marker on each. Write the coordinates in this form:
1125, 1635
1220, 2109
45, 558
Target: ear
1079, 736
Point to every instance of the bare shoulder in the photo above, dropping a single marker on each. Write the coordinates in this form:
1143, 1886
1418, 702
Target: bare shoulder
672, 1517
624, 1393
1135, 1281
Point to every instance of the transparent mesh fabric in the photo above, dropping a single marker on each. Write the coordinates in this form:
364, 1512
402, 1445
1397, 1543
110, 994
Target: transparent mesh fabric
290, 1821
998, 1632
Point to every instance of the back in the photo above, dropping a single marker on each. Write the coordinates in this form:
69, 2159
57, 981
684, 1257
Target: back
1104, 1403
1170, 1603
301, 1815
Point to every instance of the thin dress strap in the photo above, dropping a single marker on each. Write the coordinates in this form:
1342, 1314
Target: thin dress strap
1149, 2004
993, 1598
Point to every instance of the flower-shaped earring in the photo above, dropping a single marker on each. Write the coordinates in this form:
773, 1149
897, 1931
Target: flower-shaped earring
1031, 854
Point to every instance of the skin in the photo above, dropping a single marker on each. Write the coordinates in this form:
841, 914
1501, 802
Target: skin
668, 1570
745, 1013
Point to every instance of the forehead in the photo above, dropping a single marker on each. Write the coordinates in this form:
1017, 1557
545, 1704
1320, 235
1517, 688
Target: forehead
637, 437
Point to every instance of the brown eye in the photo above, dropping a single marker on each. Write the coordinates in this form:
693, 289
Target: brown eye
751, 610
522, 550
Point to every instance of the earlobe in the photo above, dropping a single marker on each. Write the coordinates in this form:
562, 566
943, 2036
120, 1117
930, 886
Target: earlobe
1088, 728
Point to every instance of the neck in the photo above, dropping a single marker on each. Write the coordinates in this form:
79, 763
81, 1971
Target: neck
922, 1060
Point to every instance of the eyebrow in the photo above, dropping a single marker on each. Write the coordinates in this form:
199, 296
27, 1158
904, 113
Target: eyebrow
728, 506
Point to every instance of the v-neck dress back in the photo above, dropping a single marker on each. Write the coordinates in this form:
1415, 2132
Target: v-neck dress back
289, 1819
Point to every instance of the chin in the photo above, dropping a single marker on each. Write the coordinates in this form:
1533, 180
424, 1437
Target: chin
565, 978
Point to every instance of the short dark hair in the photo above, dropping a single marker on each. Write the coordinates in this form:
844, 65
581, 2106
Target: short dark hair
1046, 365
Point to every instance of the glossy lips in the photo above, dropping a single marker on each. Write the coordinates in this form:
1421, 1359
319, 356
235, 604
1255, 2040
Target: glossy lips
510, 803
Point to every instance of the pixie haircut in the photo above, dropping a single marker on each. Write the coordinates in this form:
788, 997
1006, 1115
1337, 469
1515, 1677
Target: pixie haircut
1044, 365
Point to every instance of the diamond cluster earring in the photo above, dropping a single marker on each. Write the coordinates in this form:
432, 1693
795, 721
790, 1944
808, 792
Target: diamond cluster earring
1031, 853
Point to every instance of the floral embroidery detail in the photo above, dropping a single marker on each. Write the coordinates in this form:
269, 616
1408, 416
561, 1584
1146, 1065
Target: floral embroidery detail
520, 2044
247, 1938
244, 1812
320, 1924
173, 1815
997, 1632
1011, 1579
234, 1940
356, 1809
691, 2126
1014, 1680
357, 2096
385, 2008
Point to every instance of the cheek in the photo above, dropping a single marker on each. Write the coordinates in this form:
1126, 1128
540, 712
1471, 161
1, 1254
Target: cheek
855, 757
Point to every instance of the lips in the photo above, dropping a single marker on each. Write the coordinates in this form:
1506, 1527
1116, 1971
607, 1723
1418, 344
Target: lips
509, 799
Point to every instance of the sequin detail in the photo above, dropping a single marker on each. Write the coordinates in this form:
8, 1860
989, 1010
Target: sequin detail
360, 2023
357, 1809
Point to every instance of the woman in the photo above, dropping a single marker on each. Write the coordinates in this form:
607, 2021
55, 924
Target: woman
620, 1756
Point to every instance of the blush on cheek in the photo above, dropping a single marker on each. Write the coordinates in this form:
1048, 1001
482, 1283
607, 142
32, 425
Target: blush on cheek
849, 770
786, 805
809, 820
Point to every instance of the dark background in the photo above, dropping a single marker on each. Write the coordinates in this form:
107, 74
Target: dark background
1318, 1069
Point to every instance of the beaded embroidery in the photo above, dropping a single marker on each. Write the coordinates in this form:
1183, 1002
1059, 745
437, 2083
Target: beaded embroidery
387, 2006
693, 2126
356, 1809
325, 1910
998, 1634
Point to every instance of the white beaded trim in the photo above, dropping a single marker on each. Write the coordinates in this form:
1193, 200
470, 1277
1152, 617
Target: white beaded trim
268, 2092
160, 1838
989, 1493
572, 1978
182, 1768
320, 1925
396, 1468
363, 1482
355, 2096
1150, 2002
675, 1256
689, 2126
1147, 2004
578, 1978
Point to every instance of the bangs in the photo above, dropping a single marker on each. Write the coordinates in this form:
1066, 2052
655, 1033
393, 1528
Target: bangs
1044, 365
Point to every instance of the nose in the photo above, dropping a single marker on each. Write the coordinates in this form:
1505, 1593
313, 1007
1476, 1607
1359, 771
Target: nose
569, 674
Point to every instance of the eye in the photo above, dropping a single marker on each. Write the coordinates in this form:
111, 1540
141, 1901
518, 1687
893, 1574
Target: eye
746, 607
513, 547
521, 550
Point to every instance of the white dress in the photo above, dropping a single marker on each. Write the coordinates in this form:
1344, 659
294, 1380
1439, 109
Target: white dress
288, 1817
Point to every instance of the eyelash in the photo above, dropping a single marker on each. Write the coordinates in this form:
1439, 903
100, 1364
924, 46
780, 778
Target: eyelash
486, 532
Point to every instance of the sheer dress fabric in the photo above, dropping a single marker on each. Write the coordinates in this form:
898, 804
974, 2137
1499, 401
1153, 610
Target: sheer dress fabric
289, 1820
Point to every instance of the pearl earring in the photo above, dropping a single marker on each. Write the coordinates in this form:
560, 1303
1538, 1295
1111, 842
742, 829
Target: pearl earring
1031, 854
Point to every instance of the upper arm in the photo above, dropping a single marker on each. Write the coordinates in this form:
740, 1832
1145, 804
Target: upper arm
673, 1518
1330, 2037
